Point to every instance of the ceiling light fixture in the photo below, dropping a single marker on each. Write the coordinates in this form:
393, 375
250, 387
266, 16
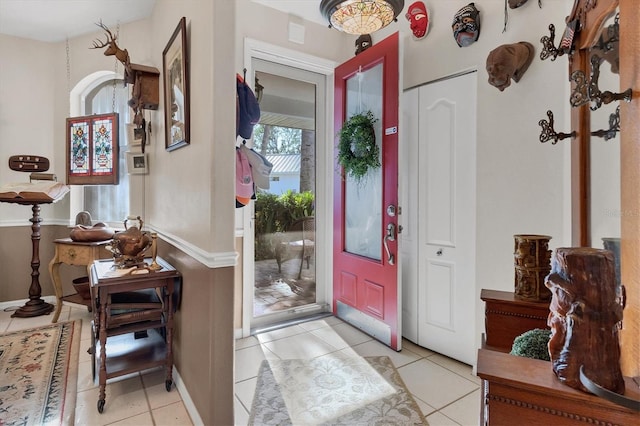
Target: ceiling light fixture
360, 16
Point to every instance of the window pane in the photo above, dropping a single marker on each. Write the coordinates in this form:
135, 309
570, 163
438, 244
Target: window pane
363, 199
110, 203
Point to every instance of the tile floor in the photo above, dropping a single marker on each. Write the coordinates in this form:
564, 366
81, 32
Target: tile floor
137, 399
445, 390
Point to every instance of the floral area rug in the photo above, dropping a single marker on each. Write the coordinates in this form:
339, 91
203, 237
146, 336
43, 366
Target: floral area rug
38, 374
333, 391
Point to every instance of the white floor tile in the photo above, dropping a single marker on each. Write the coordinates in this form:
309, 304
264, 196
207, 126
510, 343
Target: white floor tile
124, 399
240, 415
434, 384
375, 348
154, 385
280, 333
439, 419
457, 367
248, 362
323, 322
465, 411
349, 334
143, 419
245, 392
172, 415
418, 350
300, 346
246, 342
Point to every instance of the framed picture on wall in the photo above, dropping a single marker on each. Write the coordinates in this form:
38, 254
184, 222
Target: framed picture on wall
135, 135
137, 163
175, 67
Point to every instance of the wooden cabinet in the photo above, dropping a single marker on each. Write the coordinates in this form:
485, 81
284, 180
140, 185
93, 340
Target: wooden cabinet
507, 317
524, 391
132, 307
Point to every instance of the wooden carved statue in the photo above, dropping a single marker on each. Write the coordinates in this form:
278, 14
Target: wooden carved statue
585, 314
509, 61
532, 263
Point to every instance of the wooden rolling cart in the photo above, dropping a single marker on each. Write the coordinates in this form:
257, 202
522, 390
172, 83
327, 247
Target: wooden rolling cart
133, 307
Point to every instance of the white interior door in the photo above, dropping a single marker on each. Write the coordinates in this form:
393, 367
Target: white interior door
447, 193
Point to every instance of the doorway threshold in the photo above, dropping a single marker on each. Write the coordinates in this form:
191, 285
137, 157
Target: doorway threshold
287, 323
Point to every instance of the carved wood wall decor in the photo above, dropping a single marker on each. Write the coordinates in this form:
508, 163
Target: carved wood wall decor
507, 62
28, 163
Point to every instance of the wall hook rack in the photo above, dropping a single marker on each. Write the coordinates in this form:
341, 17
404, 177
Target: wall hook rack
588, 90
614, 127
548, 133
549, 50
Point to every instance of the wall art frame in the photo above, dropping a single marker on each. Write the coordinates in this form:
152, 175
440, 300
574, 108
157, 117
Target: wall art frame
135, 135
137, 163
92, 149
175, 70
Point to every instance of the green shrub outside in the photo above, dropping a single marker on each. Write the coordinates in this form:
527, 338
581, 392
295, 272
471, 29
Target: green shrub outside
274, 214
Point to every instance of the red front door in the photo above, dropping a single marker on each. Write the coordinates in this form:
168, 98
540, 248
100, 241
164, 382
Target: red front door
365, 248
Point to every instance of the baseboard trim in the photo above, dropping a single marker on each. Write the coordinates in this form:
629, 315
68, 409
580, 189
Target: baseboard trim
186, 398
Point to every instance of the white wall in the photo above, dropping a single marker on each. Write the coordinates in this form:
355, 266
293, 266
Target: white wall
522, 185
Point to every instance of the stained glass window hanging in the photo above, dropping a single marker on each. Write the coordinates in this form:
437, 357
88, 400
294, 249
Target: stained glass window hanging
92, 150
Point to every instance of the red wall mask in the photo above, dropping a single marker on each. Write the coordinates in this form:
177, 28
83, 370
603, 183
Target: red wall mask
418, 17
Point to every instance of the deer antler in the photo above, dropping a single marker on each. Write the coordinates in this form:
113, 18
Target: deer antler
110, 37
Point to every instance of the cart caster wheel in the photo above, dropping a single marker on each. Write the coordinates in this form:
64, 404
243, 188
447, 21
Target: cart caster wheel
167, 385
100, 405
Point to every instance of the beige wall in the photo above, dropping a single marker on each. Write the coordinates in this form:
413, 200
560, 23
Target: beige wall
521, 184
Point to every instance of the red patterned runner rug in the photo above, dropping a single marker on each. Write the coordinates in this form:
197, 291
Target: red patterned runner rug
39, 374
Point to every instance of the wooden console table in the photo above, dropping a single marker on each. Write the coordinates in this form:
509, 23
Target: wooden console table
155, 350
525, 391
507, 317
71, 252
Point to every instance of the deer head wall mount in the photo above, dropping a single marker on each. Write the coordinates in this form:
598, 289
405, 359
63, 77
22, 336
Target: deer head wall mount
113, 50
145, 79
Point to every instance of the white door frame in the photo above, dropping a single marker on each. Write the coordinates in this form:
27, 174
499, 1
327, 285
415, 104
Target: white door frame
324, 172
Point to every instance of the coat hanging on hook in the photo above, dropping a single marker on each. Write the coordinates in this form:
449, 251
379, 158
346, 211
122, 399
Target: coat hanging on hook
247, 108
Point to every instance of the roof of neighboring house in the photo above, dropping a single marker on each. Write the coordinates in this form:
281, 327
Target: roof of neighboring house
284, 163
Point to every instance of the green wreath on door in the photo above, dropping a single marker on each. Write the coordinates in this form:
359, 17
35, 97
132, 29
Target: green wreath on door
357, 150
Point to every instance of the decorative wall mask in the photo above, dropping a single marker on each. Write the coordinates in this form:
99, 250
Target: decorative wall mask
418, 17
514, 4
363, 43
509, 61
466, 25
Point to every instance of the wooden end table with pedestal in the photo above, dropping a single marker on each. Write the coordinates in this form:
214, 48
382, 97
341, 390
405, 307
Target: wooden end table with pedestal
72, 253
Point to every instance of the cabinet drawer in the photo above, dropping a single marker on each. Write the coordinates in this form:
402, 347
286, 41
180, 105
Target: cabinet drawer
75, 255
